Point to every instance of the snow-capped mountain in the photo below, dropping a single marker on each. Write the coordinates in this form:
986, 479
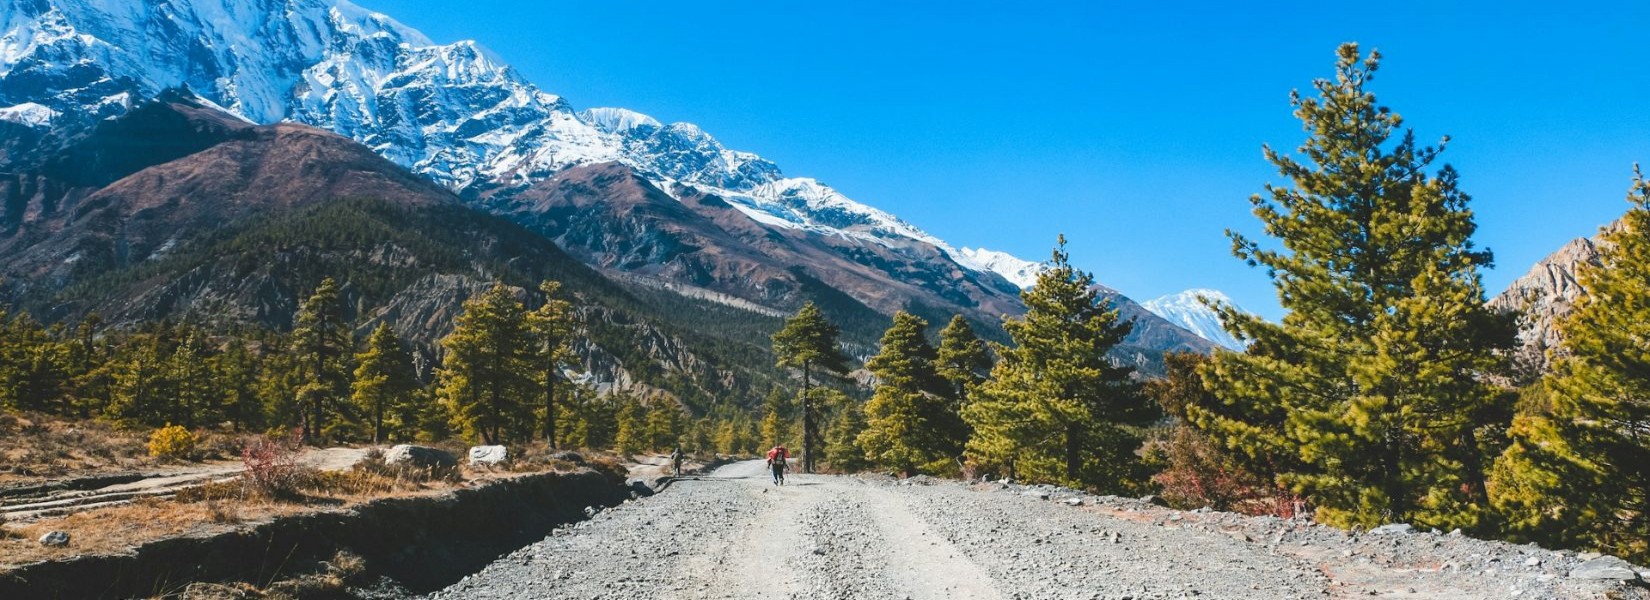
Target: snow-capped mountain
453, 112
1016, 270
1187, 310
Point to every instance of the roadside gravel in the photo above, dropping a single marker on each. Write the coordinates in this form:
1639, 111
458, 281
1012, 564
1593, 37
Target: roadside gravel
733, 535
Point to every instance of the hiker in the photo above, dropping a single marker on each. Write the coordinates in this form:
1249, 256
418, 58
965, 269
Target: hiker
676, 458
776, 463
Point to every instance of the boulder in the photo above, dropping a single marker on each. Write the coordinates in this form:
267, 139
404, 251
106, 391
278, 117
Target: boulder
418, 457
1605, 567
569, 456
488, 456
54, 538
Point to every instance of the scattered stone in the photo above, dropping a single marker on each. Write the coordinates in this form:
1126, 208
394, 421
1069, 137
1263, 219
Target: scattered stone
1605, 567
418, 457
488, 456
1074, 501
55, 538
1532, 562
591, 511
1036, 494
1153, 499
1392, 529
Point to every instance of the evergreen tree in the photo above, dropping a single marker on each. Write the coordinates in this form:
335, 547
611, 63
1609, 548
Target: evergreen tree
141, 391
1193, 469
842, 449
632, 434
195, 394
779, 420
963, 360
236, 376
553, 327
910, 425
1578, 471
1056, 409
33, 367
1368, 390
809, 341
664, 425
486, 375
384, 379
321, 345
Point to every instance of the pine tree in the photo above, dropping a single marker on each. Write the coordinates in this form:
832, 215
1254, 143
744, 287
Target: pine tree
553, 327
1368, 391
664, 425
842, 449
236, 375
910, 425
384, 379
632, 434
321, 345
809, 341
1578, 472
195, 395
778, 420
1056, 408
1194, 470
962, 360
486, 375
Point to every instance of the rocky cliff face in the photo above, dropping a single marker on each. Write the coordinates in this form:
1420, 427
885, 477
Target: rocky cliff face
1546, 293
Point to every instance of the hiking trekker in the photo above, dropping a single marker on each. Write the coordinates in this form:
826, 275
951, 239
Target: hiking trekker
777, 458
676, 458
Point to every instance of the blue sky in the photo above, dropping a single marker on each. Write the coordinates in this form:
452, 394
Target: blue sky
1134, 128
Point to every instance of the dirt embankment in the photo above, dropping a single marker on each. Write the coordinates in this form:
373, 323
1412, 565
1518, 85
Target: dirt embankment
418, 543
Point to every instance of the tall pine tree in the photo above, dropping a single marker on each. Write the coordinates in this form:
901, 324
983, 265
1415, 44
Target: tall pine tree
808, 342
553, 329
486, 375
910, 424
1056, 408
321, 348
384, 379
1369, 388
1578, 473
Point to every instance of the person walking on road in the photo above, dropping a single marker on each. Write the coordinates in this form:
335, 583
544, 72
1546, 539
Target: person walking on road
676, 459
776, 463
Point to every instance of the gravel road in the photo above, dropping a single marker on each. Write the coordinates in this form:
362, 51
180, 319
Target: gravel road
735, 535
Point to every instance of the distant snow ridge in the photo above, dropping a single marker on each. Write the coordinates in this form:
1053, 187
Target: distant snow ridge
454, 112
1016, 270
1185, 309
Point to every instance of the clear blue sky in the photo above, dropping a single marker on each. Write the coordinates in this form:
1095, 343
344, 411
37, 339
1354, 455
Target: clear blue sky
1133, 127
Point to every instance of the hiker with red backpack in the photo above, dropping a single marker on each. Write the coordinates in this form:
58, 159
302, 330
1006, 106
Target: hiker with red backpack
776, 463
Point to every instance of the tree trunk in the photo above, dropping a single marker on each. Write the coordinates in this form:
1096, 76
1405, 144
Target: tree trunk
550, 406
1074, 457
378, 422
807, 423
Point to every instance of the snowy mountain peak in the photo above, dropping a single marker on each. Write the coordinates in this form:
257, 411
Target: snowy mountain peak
1016, 270
619, 120
1188, 310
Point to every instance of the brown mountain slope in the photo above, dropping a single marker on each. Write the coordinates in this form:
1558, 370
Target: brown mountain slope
241, 229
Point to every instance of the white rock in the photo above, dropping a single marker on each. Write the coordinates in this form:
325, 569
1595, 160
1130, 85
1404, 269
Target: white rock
54, 538
488, 455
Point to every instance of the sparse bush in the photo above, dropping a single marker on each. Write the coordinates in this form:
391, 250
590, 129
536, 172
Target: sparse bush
271, 467
172, 442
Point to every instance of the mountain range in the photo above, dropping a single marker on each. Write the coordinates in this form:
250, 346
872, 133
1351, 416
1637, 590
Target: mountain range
657, 208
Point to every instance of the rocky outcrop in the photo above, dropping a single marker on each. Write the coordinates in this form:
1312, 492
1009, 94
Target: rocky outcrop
1545, 295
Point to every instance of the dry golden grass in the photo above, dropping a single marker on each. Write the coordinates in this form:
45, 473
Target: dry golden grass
36, 447
220, 508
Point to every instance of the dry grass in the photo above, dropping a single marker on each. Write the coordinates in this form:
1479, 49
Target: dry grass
223, 507
35, 447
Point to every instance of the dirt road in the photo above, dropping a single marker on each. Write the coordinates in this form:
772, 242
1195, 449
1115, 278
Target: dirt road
735, 535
